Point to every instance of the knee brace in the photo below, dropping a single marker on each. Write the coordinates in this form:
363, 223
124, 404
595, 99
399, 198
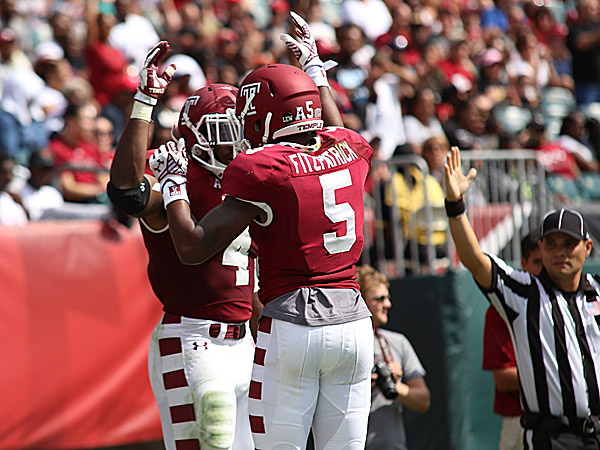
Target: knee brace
217, 426
130, 201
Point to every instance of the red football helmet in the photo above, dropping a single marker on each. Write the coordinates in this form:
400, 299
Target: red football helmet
277, 100
208, 120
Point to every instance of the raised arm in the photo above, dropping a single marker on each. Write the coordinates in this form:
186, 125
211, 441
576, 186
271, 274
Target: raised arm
465, 241
305, 52
129, 189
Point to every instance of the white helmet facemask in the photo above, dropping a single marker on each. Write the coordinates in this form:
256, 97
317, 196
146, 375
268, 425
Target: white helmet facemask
219, 129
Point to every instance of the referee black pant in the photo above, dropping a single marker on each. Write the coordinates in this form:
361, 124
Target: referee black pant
560, 433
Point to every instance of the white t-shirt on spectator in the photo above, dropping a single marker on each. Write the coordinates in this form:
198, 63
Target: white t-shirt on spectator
37, 201
135, 37
384, 117
371, 15
11, 213
417, 132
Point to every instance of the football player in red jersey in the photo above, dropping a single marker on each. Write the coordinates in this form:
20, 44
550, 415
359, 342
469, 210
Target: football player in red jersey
200, 357
300, 189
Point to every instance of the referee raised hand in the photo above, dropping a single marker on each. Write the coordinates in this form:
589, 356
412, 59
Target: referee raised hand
554, 319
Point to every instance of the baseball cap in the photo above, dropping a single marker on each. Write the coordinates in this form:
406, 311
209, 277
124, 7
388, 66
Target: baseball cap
564, 221
7, 35
491, 56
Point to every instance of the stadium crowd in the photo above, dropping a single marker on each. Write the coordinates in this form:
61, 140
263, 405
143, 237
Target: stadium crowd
479, 74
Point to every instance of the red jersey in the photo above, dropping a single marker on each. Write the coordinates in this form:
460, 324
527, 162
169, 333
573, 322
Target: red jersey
498, 353
557, 160
84, 155
108, 71
219, 289
314, 231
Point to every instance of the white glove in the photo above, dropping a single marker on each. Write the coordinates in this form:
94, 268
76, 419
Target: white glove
152, 85
169, 162
306, 52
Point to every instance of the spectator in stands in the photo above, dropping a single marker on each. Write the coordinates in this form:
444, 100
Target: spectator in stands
279, 24
467, 129
228, 50
21, 122
39, 195
572, 138
82, 177
353, 58
532, 60
494, 80
400, 26
421, 122
583, 41
107, 64
552, 155
423, 218
495, 17
561, 58
12, 212
104, 134
384, 118
499, 357
11, 54
133, 34
51, 100
458, 66
434, 152
398, 375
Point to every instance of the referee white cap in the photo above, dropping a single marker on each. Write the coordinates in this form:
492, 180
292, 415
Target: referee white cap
564, 221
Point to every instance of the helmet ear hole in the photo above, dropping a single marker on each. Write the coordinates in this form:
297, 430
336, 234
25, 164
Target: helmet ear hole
257, 125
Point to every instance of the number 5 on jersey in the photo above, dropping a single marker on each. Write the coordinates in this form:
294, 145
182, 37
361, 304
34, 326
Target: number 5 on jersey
341, 212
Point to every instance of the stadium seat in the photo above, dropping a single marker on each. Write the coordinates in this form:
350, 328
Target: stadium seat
566, 190
589, 184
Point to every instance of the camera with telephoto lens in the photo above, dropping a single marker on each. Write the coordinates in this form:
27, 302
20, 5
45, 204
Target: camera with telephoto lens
385, 380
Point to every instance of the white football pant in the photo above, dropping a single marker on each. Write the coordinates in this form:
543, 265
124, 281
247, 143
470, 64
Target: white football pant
201, 386
311, 376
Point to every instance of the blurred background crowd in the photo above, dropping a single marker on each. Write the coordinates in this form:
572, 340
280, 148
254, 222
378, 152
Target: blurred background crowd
414, 77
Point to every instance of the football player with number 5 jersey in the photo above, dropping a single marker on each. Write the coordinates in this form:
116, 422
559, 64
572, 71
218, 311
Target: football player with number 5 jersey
300, 189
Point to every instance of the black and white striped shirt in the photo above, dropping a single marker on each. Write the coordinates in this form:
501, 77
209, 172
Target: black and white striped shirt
556, 340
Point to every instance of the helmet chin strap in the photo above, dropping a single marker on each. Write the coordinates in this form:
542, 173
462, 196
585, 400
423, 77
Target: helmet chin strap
267, 126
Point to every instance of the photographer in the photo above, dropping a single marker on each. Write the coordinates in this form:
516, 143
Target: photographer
397, 378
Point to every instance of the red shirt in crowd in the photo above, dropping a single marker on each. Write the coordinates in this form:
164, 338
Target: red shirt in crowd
84, 155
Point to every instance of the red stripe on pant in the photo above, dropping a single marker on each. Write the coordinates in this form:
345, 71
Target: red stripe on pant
183, 413
259, 356
257, 424
187, 444
264, 325
175, 379
255, 390
169, 346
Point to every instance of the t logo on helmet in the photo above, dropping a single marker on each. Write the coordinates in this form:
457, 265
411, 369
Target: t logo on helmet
191, 101
249, 91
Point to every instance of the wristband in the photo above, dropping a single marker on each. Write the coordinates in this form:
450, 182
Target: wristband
455, 209
318, 75
141, 111
144, 98
172, 192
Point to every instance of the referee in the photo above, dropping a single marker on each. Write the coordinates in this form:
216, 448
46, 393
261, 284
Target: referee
554, 320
